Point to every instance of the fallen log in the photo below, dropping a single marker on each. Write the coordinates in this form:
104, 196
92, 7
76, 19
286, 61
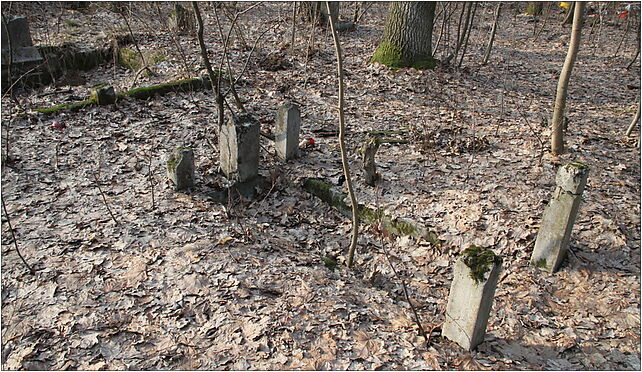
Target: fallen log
185, 85
396, 226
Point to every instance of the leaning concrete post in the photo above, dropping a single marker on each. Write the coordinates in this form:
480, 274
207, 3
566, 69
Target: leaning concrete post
180, 168
286, 136
239, 148
471, 296
559, 216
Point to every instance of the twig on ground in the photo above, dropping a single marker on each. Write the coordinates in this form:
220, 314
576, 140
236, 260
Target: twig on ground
13, 236
105, 199
151, 181
535, 134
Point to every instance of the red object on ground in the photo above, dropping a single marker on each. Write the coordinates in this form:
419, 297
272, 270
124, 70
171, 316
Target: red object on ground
58, 125
306, 143
624, 14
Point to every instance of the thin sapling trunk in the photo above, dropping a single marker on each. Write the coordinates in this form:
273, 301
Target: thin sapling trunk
489, 47
344, 156
557, 136
215, 80
13, 236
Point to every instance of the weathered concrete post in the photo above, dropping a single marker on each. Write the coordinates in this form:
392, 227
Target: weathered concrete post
559, 216
369, 149
180, 168
239, 148
475, 276
286, 135
17, 48
105, 94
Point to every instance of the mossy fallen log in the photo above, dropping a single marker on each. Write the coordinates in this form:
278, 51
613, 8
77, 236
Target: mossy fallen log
185, 85
393, 225
72, 106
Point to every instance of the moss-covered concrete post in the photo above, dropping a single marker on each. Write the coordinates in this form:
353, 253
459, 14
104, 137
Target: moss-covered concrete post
239, 148
180, 168
475, 276
559, 216
286, 135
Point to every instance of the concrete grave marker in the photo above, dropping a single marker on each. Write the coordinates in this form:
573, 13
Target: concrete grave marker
239, 148
17, 48
286, 135
475, 276
105, 95
180, 168
559, 216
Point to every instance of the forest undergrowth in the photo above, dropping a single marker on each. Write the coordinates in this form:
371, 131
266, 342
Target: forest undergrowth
186, 283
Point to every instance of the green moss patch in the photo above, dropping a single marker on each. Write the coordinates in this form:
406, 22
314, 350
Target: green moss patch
185, 85
74, 106
391, 55
480, 261
133, 61
577, 164
392, 225
129, 59
329, 263
541, 263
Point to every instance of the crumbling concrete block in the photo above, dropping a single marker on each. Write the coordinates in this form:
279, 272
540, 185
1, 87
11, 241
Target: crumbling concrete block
475, 276
180, 168
286, 135
105, 95
239, 148
559, 216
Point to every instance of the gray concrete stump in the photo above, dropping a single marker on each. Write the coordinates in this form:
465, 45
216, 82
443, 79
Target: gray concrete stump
286, 135
105, 95
475, 276
239, 148
559, 216
180, 168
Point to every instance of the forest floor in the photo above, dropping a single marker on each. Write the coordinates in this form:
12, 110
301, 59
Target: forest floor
185, 283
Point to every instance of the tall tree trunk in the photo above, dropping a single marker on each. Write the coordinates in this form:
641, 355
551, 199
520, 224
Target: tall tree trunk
471, 19
557, 136
489, 47
407, 36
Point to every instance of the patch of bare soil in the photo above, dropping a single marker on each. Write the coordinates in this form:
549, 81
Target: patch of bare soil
185, 283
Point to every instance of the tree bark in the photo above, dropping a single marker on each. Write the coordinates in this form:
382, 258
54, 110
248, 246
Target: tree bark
557, 136
407, 36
